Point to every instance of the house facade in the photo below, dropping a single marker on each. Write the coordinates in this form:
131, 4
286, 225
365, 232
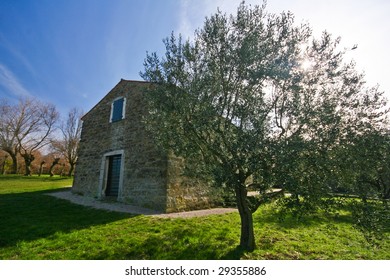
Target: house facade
119, 160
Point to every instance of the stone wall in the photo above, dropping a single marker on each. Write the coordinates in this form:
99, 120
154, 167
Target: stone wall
185, 193
150, 178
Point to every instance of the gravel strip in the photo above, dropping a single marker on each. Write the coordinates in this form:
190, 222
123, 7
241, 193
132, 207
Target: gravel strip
125, 208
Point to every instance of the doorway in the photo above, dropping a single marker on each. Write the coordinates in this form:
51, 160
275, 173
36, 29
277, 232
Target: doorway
113, 175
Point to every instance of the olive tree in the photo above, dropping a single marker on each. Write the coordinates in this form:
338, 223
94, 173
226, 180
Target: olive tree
365, 162
258, 101
366, 177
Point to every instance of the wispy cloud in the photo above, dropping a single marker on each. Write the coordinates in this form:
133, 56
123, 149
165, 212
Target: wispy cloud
17, 54
185, 28
192, 13
10, 82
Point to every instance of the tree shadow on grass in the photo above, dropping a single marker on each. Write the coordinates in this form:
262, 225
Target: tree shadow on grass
29, 216
177, 243
295, 220
234, 254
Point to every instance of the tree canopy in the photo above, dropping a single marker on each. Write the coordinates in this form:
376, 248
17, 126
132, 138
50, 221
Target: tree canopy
259, 101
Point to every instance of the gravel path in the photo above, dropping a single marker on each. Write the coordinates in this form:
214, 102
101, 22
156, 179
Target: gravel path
125, 208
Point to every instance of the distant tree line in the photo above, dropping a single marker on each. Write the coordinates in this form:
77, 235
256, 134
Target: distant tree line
35, 139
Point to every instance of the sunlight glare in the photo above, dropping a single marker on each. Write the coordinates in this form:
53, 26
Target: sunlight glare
306, 65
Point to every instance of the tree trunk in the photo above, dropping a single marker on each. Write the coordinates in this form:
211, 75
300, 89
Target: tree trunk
247, 240
41, 168
3, 167
28, 159
27, 169
71, 169
14, 166
55, 162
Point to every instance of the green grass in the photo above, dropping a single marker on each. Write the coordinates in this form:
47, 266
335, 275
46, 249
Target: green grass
36, 226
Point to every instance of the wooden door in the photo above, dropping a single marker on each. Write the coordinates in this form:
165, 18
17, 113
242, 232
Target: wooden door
113, 176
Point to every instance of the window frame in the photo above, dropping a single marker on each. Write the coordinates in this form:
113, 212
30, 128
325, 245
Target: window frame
123, 109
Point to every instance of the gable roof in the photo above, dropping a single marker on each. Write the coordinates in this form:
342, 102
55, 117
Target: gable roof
122, 82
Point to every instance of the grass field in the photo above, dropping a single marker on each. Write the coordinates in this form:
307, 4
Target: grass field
34, 225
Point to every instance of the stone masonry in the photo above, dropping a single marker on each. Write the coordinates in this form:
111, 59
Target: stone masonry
147, 176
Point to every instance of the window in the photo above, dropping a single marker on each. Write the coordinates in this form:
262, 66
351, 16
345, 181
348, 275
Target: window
118, 109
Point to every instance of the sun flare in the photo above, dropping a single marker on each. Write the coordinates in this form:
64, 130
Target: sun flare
306, 65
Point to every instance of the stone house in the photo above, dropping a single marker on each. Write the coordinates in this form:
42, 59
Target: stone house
119, 160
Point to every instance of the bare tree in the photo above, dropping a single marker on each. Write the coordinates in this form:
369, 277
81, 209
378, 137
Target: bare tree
8, 129
35, 126
68, 145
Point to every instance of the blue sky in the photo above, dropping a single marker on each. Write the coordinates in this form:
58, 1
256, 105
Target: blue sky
72, 52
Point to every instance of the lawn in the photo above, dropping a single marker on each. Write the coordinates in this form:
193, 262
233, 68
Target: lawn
34, 225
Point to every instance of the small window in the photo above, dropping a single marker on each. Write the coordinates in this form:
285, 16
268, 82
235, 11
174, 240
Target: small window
118, 110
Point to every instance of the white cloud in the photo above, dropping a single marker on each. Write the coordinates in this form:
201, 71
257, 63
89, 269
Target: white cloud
11, 83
